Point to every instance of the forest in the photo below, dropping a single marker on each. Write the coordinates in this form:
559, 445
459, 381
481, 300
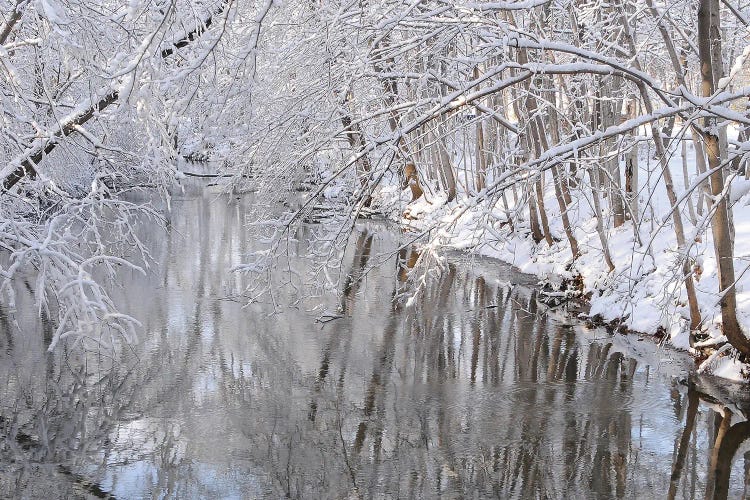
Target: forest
600, 147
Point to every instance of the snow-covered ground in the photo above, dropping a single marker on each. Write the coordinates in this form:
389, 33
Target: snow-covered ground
645, 288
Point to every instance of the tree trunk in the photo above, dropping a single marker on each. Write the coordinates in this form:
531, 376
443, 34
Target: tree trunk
446, 168
701, 168
539, 185
594, 176
559, 189
536, 232
631, 181
411, 180
609, 110
481, 158
679, 231
686, 183
709, 34
357, 144
385, 63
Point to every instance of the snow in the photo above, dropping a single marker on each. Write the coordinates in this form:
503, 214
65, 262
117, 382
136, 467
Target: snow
52, 12
645, 288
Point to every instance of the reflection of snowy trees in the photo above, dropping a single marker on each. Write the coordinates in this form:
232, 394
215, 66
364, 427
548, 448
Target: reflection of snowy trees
474, 388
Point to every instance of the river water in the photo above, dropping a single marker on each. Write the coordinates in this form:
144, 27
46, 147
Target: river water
473, 390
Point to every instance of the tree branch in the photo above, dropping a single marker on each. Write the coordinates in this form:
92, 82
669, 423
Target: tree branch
194, 34
26, 164
12, 20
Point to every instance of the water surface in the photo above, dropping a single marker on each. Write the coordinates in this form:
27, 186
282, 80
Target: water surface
474, 390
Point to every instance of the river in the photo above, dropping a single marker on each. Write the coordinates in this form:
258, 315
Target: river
473, 390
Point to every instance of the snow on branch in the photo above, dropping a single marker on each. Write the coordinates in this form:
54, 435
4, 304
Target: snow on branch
25, 164
186, 38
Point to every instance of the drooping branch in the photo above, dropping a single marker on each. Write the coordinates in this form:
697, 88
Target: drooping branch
196, 33
33, 156
25, 164
734, 10
14, 17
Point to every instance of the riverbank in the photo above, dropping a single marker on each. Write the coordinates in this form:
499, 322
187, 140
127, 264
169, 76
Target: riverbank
644, 292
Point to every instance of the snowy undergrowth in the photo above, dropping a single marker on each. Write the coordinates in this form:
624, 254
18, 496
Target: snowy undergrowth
644, 290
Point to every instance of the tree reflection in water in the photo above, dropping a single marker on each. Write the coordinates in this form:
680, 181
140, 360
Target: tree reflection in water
472, 390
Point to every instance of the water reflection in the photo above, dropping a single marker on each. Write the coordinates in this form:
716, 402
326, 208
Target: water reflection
727, 430
474, 390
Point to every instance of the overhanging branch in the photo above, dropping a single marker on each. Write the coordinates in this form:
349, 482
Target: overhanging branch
45, 146
27, 162
194, 34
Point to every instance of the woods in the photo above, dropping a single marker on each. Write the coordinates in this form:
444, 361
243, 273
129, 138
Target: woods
374, 248
597, 142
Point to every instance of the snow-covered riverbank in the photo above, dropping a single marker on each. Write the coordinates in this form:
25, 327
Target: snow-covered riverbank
645, 289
